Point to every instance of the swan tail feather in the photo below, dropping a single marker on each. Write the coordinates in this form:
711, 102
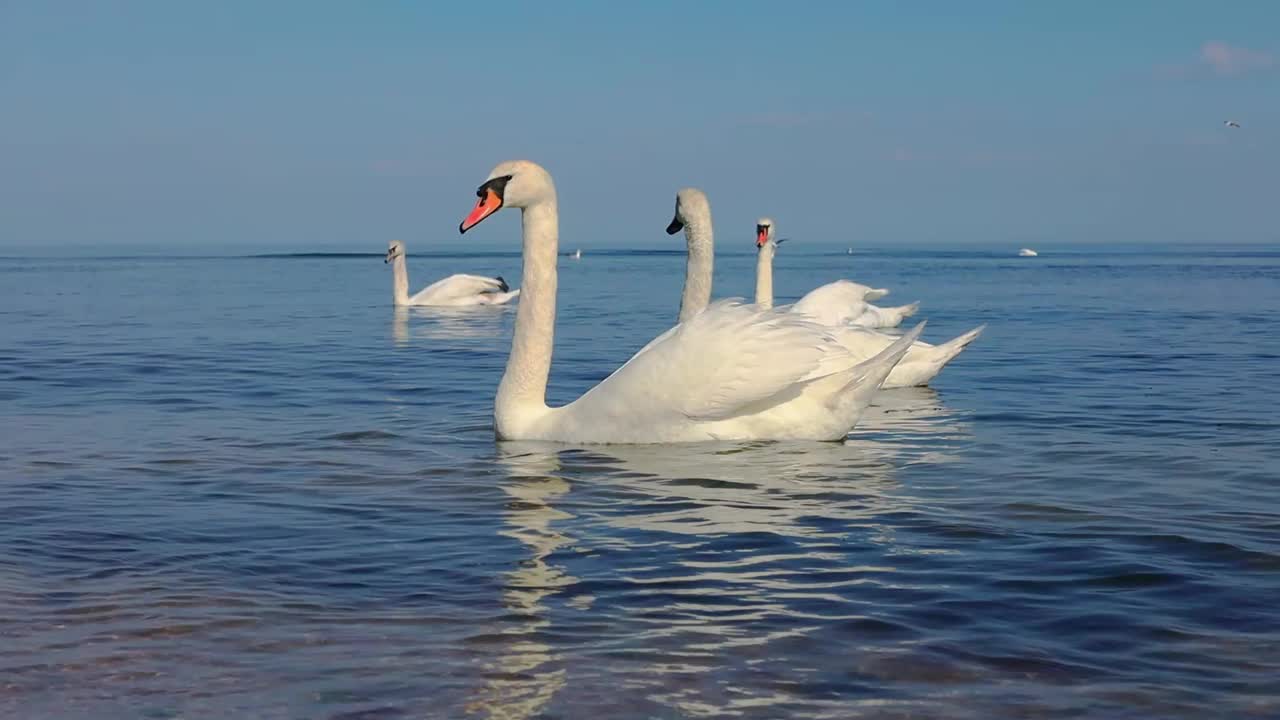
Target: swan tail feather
499, 298
906, 311
953, 347
927, 363
869, 376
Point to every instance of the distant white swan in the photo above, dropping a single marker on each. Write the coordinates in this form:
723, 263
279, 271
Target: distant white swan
1027, 252
455, 290
731, 372
837, 303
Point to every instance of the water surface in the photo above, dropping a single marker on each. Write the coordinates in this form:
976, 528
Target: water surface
247, 487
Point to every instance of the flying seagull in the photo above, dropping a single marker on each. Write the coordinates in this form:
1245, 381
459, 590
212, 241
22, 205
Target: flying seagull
1231, 123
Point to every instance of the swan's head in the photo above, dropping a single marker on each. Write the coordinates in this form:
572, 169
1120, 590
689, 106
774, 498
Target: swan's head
395, 250
515, 183
692, 208
764, 231
765, 241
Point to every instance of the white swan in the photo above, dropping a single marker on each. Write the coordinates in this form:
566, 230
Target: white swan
842, 302
454, 290
833, 304
731, 372
693, 215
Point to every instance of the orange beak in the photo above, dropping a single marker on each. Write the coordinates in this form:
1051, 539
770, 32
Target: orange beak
762, 235
487, 205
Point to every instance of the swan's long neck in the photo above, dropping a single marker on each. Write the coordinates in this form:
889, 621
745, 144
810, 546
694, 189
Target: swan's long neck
764, 278
400, 281
524, 384
699, 267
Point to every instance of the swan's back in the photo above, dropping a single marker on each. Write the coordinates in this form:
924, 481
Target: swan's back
834, 303
732, 371
464, 289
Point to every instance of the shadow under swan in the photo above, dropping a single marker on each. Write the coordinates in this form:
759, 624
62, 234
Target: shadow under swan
915, 422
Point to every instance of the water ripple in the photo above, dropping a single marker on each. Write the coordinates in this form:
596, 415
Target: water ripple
223, 496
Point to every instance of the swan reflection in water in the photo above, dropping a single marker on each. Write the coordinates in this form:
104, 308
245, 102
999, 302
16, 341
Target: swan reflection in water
633, 496
524, 678
775, 487
448, 323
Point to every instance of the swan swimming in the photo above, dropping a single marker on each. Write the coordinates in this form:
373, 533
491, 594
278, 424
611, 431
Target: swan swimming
1028, 252
731, 372
838, 303
921, 363
455, 290
835, 303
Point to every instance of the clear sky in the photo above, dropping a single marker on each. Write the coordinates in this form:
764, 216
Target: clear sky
296, 125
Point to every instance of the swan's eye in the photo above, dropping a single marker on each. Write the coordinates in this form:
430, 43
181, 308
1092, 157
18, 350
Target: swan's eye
498, 185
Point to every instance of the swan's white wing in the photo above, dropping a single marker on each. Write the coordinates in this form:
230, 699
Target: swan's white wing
496, 298
868, 293
728, 356
457, 287
834, 303
885, 317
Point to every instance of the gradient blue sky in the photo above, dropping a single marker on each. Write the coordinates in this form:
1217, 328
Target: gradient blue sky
320, 125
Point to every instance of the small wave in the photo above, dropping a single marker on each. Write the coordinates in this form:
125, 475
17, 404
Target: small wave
359, 435
300, 255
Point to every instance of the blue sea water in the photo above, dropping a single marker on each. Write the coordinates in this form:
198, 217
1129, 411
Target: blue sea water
248, 487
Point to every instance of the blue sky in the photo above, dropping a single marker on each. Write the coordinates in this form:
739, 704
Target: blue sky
321, 125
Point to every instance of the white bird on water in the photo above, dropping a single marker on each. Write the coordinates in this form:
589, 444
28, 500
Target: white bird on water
839, 302
1027, 252
842, 306
577, 254
1231, 123
455, 290
732, 372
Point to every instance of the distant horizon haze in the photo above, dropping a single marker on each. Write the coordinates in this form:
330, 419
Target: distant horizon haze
295, 126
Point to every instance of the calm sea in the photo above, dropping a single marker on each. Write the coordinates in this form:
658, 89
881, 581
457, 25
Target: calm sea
247, 487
